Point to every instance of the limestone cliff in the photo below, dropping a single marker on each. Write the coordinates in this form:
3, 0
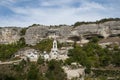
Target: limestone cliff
104, 29
9, 35
36, 33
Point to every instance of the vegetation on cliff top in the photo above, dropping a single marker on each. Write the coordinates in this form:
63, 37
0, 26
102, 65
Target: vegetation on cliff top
97, 22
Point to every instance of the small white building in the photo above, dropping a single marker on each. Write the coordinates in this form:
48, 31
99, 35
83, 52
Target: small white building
46, 56
29, 53
32, 55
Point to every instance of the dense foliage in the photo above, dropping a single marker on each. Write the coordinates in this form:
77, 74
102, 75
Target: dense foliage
40, 60
51, 70
97, 22
103, 72
33, 73
8, 50
44, 45
55, 72
34, 25
23, 31
93, 55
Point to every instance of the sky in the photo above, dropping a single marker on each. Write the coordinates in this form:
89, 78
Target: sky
23, 13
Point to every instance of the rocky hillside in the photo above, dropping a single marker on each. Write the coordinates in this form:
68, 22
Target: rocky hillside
9, 34
35, 33
104, 29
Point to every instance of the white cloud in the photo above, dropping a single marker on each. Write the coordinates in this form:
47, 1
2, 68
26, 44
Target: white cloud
66, 14
7, 2
56, 2
92, 5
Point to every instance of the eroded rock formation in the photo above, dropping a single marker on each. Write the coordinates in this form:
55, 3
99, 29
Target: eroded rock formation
36, 33
9, 35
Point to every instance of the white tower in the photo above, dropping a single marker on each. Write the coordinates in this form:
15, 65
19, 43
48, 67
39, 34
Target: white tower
54, 50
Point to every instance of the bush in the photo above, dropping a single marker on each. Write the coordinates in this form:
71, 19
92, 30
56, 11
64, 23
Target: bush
32, 73
23, 31
40, 60
8, 50
55, 72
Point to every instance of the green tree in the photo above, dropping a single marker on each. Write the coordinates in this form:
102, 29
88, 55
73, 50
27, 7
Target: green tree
94, 39
33, 73
40, 60
23, 31
55, 72
44, 45
78, 55
8, 50
116, 59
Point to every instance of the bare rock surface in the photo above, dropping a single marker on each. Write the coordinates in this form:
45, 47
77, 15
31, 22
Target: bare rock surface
9, 35
36, 33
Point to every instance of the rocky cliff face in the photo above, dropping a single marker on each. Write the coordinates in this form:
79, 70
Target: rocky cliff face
9, 35
104, 29
114, 27
36, 33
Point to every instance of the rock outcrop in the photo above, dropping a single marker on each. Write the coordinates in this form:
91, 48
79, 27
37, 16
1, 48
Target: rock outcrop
114, 27
9, 35
35, 34
38, 32
104, 29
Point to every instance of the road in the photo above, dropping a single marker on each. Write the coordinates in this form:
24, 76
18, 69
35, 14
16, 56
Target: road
10, 62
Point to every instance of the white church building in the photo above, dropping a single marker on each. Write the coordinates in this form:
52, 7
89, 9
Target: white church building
54, 53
